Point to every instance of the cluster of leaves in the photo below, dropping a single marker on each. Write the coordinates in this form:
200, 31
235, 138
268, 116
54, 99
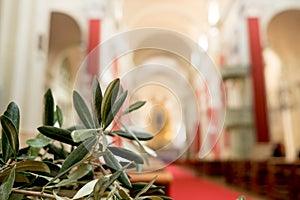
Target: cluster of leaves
76, 162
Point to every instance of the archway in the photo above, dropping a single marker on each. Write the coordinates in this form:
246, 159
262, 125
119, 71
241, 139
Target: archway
64, 57
283, 36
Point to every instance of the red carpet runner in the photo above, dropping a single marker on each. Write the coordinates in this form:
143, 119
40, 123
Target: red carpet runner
187, 186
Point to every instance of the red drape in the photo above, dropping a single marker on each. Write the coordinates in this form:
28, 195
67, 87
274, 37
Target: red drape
260, 105
93, 41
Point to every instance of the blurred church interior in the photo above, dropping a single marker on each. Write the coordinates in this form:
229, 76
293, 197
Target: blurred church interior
230, 125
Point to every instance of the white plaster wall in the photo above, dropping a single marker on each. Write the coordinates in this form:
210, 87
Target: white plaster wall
24, 29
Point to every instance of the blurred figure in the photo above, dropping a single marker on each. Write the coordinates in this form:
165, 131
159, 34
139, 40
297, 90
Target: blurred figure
278, 150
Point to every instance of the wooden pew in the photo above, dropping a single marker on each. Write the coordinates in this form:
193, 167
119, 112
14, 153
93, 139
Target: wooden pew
259, 177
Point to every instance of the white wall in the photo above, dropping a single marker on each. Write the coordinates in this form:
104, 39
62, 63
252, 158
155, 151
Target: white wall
24, 32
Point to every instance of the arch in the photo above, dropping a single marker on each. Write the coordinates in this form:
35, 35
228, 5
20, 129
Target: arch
271, 12
61, 25
65, 54
170, 41
173, 15
65, 40
283, 35
76, 13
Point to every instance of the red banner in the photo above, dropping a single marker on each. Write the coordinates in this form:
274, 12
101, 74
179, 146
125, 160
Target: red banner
93, 42
260, 105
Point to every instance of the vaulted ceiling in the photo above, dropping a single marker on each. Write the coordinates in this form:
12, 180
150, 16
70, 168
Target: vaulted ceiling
189, 17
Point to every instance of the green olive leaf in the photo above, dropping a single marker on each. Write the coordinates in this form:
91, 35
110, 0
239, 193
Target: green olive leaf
7, 185
112, 162
13, 113
77, 155
6, 149
147, 187
143, 148
75, 127
21, 178
82, 134
82, 170
115, 108
83, 110
59, 134
48, 108
38, 142
59, 153
150, 198
16, 196
10, 132
97, 100
59, 116
126, 154
134, 106
75, 158
32, 165
27, 165
154, 189
85, 190
142, 136
104, 182
100, 187
109, 98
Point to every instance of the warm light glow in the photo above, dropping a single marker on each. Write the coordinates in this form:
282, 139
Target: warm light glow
272, 69
214, 32
213, 13
203, 42
118, 10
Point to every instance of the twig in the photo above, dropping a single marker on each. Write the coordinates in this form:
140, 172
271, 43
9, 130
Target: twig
33, 193
59, 161
100, 166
